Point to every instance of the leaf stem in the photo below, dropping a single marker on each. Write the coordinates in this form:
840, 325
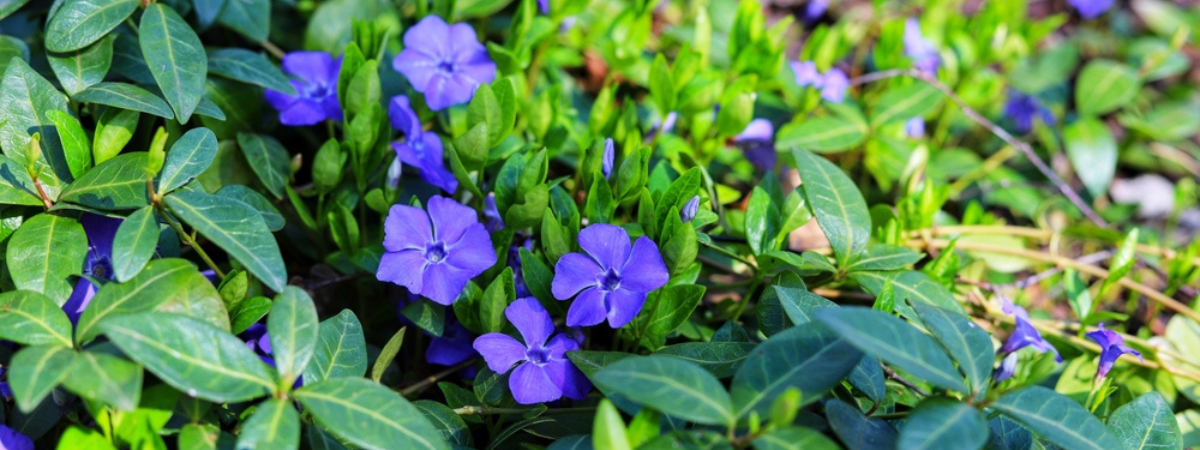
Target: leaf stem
425, 382
191, 242
471, 410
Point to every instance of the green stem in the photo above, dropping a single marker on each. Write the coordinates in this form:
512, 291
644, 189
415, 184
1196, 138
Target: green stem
187, 239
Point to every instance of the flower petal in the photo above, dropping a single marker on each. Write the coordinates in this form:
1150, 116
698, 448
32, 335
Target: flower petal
101, 231
419, 67
608, 244
644, 271
403, 268
449, 350
81, 296
500, 351
281, 101
303, 112
406, 227
442, 283
531, 320
573, 273
588, 309
450, 219
473, 252
429, 36
531, 384
623, 305
313, 67
444, 91
403, 118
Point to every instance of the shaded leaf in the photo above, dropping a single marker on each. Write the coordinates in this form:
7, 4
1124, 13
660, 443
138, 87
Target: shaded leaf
175, 57
1056, 418
44, 252
895, 342
125, 96
237, 229
368, 415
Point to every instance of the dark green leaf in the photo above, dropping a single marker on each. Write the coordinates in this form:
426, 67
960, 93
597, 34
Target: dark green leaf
293, 328
799, 304
762, 222
720, 358
808, 357
912, 285
867, 376
79, 69
27, 97
188, 158
159, 283
341, 350
837, 203
670, 308
35, 371
79, 23
1146, 423
275, 425
251, 18
30, 318
248, 312
793, 438
175, 57
450, 425
895, 342
1057, 418
270, 214
966, 342
939, 423
669, 385
269, 160
859, 432
237, 229
44, 252
134, 243
116, 184
77, 150
248, 67
125, 96
368, 415
106, 378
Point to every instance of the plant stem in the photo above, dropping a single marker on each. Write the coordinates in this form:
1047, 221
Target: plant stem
272, 49
187, 239
425, 382
485, 411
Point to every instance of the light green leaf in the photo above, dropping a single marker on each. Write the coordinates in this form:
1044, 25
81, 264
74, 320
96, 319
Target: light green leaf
84, 438
292, 325
940, 423
822, 134
670, 385
159, 282
911, 285
79, 23
237, 229
275, 425
884, 257
839, 206
1057, 418
1104, 86
36, 370
191, 356
106, 378
662, 86
27, 97
248, 67
44, 252
368, 415
134, 243
196, 297
30, 318
895, 342
388, 354
808, 357
82, 68
175, 57
762, 221
906, 102
269, 160
125, 96
966, 342
1093, 153
341, 350
16, 188
77, 150
116, 184
1146, 423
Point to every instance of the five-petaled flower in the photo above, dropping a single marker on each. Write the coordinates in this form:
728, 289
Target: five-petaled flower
316, 96
101, 231
434, 254
832, 84
444, 62
543, 372
421, 149
1024, 335
11, 439
1112, 346
924, 54
614, 279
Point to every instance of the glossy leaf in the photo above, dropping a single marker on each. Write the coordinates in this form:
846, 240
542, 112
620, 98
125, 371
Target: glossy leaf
912, 285
270, 214
1146, 423
722, 359
449, 424
188, 158
895, 342
867, 376
939, 423
822, 134
837, 204
669, 385
884, 257
237, 229
154, 286
44, 253
82, 68
368, 415
16, 188
191, 356
116, 184
125, 96
808, 357
106, 378
27, 97
966, 342
248, 67
1093, 153
79, 23
30, 318
36, 370
77, 150
1056, 418
275, 425
134, 243
251, 18
903, 103
269, 160
292, 324
1104, 86
341, 350
857, 431
175, 57
794, 438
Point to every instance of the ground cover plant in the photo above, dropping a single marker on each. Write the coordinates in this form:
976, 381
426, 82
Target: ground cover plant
610, 224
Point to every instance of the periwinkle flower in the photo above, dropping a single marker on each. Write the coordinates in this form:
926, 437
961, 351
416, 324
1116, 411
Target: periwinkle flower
259, 341
1023, 109
924, 54
814, 10
1091, 9
392, 181
444, 62
1024, 335
11, 439
666, 125
101, 231
492, 213
420, 149
316, 96
5, 389
688, 213
835, 84
757, 142
806, 74
1112, 346
543, 373
434, 254
606, 160
453, 346
915, 127
612, 279
544, 6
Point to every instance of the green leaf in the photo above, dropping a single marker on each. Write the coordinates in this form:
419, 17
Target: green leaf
31, 318
722, 359
428, 316
966, 342
808, 357
161, 281
903, 103
1093, 153
939, 423
341, 350
670, 308
839, 206
79, 23
134, 243
293, 328
202, 436
125, 96
114, 129
188, 158
76, 148
762, 221
1056, 418
270, 214
670, 385
191, 356
912, 285
248, 67
884, 257
175, 57
1122, 262
677, 195
106, 378
485, 108
196, 297
387, 355
82, 68
86, 438
275, 425
859, 432
793, 438
798, 303
36, 370
1104, 86
44, 252
368, 415
251, 18
27, 97
1146, 423
237, 229
8, 7
269, 160
16, 188
662, 87
116, 184
867, 377
822, 134
895, 342
248, 312
450, 425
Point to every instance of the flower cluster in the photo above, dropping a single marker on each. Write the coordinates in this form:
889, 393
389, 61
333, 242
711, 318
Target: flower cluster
833, 83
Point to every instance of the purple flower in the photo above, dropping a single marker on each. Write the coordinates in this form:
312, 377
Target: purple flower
453, 346
606, 161
814, 10
1024, 335
259, 341
757, 142
1008, 366
392, 181
807, 74
688, 213
101, 231
614, 279
915, 127
316, 96
420, 149
1023, 109
5, 389
492, 214
444, 62
665, 125
1112, 346
542, 371
544, 6
434, 254
1091, 9
11, 439
835, 84
924, 54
